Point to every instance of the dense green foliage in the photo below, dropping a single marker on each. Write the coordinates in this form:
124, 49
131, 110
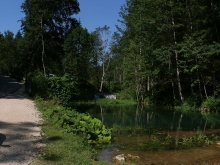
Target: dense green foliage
61, 89
167, 51
62, 147
91, 129
163, 53
72, 121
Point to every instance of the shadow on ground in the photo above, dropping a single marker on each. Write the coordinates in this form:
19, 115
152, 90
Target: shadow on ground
18, 142
18, 94
8, 85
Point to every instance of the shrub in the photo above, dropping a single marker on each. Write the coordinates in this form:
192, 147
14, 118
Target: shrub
211, 103
194, 100
185, 107
38, 84
58, 88
90, 128
61, 88
126, 95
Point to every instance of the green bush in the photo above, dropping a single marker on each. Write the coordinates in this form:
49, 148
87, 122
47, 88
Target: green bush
38, 84
126, 95
211, 103
58, 88
194, 100
61, 88
185, 107
90, 128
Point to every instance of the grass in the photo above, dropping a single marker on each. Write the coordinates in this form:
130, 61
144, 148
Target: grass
62, 148
115, 102
102, 102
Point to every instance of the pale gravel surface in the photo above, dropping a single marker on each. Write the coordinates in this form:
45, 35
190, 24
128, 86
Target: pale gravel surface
20, 133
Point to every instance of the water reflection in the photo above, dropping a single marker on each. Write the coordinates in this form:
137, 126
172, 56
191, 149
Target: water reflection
175, 124
154, 117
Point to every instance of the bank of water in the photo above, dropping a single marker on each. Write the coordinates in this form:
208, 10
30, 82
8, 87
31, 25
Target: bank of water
141, 122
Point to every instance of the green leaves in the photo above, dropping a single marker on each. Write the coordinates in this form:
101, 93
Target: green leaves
58, 88
44, 26
83, 124
78, 48
167, 50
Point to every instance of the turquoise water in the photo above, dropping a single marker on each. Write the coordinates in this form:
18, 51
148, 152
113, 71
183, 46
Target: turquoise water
169, 122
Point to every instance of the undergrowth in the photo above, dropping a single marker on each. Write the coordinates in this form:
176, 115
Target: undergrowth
62, 147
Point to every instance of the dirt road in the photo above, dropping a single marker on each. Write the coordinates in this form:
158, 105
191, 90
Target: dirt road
20, 134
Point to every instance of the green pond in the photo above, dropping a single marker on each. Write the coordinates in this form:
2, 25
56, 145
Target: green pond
134, 126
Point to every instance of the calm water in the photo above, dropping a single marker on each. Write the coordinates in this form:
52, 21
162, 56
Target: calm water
173, 123
154, 117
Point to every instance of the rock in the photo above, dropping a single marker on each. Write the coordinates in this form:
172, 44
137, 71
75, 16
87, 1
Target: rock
132, 157
119, 158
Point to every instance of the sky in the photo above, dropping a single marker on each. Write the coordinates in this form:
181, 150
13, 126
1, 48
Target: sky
93, 14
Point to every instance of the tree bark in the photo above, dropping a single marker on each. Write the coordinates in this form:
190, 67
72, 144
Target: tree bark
105, 32
176, 58
204, 87
42, 40
216, 29
103, 74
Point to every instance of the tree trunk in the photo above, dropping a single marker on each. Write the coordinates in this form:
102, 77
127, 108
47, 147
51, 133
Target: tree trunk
176, 58
216, 29
200, 89
204, 87
103, 74
148, 83
103, 32
189, 14
42, 40
102, 79
214, 84
174, 96
102, 113
152, 84
180, 120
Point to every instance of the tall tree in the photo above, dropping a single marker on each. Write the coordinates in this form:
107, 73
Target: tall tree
167, 49
78, 53
103, 36
47, 21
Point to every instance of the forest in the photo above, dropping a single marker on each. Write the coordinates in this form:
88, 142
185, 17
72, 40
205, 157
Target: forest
165, 52
162, 63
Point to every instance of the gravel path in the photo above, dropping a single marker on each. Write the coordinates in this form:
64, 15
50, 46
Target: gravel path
19, 129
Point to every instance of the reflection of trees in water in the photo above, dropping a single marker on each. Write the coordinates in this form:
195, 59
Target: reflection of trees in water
102, 114
180, 119
212, 119
140, 116
171, 125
